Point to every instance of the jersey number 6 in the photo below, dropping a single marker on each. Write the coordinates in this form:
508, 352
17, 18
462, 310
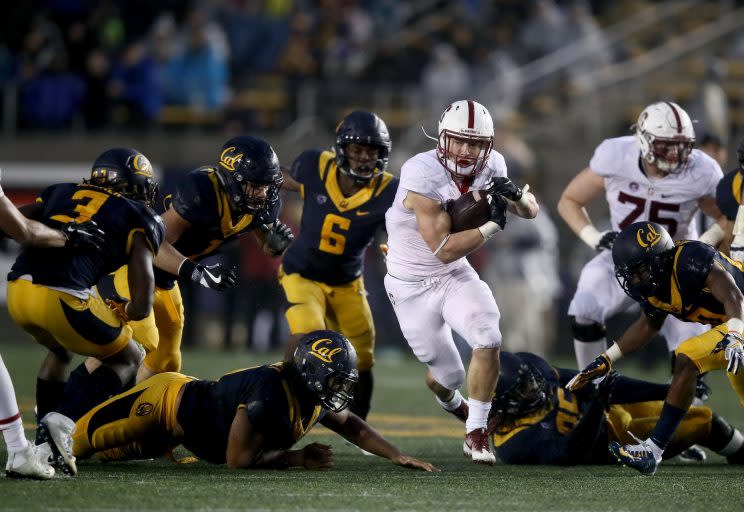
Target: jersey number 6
332, 241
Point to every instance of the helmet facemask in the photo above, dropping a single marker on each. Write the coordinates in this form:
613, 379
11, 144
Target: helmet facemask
639, 277
464, 121
665, 135
136, 181
370, 169
462, 166
527, 394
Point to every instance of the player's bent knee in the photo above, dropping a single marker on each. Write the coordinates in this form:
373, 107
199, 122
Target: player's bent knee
484, 332
587, 332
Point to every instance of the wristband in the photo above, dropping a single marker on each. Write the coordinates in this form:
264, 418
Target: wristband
590, 236
523, 201
614, 353
735, 325
186, 269
489, 229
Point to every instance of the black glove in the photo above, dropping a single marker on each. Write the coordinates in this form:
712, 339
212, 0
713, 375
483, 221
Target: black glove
506, 188
608, 238
497, 206
216, 277
278, 238
84, 235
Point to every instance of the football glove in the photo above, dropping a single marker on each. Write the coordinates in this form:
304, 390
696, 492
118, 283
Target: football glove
600, 367
733, 349
83, 235
216, 277
505, 187
497, 207
604, 389
605, 243
278, 238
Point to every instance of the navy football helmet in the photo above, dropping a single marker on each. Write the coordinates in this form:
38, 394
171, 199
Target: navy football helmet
125, 171
364, 128
521, 388
637, 254
326, 363
247, 161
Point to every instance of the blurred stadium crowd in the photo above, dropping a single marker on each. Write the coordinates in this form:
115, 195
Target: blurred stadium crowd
228, 66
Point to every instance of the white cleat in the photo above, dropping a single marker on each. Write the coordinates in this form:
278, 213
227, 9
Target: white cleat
57, 429
28, 463
478, 446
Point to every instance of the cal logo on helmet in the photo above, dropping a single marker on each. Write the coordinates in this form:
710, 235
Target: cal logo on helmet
142, 165
228, 158
319, 350
648, 238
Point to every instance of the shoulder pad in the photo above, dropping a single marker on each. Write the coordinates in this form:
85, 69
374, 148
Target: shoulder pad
152, 225
195, 198
305, 165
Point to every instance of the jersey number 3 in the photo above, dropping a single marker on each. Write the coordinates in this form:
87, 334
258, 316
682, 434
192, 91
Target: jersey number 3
331, 241
89, 202
653, 213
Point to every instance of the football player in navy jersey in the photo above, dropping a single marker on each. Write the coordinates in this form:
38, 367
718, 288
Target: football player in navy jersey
346, 192
535, 420
729, 201
23, 459
49, 290
211, 205
695, 283
249, 418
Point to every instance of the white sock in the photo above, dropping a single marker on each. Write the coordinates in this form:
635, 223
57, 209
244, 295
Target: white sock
451, 404
587, 351
478, 415
10, 419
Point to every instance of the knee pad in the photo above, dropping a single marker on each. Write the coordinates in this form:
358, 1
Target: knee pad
587, 332
451, 380
483, 331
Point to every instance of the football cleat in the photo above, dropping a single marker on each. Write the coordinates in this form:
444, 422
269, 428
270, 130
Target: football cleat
478, 447
56, 429
694, 454
641, 456
461, 413
28, 463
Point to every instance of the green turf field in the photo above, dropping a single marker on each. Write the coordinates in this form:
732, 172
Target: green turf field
403, 410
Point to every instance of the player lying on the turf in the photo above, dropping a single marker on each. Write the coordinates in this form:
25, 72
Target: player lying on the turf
247, 419
534, 420
695, 283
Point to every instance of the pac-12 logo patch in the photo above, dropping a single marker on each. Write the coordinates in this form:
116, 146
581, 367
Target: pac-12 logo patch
321, 199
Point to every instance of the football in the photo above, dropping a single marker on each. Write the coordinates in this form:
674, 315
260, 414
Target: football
469, 211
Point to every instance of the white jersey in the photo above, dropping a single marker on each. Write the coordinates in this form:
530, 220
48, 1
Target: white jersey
670, 201
409, 256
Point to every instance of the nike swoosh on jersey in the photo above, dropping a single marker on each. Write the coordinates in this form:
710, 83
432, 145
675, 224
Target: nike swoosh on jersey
360, 213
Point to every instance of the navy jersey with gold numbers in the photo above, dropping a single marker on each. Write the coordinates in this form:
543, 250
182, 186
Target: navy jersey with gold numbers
200, 199
335, 230
79, 269
728, 194
208, 408
683, 293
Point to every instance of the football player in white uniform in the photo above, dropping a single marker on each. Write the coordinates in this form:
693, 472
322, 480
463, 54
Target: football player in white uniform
655, 175
431, 285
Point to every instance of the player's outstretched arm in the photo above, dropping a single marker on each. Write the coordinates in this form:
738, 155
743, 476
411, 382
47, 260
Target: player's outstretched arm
26, 231
434, 224
582, 190
357, 431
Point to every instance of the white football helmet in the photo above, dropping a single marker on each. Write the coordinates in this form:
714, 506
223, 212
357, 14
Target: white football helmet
465, 120
666, 136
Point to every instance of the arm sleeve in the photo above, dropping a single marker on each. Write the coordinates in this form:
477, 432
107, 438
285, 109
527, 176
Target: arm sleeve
195, 199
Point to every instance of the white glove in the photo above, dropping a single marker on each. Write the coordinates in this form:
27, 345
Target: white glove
734, 354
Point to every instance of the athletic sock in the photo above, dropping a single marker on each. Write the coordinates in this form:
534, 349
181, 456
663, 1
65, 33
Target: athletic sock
587, 351
669, 421
478, 416
453, 403
10, 418
48, 396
